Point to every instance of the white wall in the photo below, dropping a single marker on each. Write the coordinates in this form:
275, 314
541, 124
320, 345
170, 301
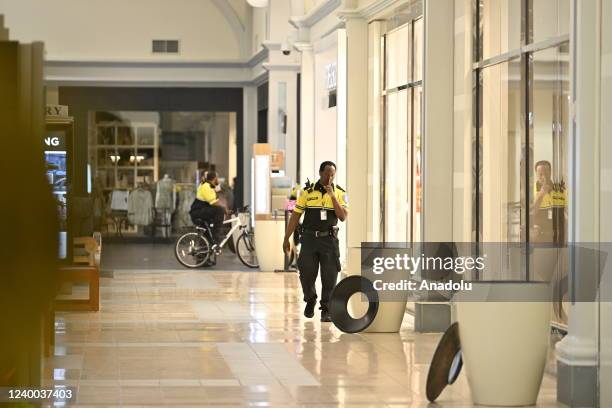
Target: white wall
120, 29
259, 24
325, 118
279, 20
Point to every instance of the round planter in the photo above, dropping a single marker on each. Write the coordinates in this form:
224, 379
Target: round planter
504, 328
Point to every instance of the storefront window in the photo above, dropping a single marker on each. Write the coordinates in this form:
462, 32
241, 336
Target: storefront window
501, 152
417, 46
397, 163
521, 129
500, 26
550, 104
550, 19
402, 97
522, 119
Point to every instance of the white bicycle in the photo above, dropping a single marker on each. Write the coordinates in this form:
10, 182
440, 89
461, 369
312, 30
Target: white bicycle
194, 249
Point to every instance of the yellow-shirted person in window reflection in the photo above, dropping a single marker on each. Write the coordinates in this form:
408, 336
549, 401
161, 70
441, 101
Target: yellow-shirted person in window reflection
549, 209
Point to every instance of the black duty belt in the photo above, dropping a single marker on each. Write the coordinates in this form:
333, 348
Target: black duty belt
319, 234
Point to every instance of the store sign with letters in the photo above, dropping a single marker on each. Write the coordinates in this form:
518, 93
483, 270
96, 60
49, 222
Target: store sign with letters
331, 75
57, 110
54, 141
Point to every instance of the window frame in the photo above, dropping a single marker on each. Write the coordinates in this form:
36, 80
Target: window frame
525, 53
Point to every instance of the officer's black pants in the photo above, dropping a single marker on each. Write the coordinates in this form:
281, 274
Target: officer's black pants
318, 252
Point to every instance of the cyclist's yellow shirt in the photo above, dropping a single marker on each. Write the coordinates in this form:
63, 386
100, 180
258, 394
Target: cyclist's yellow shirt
206, 192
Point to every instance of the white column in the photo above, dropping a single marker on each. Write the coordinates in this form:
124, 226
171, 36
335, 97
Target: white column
357, 138
375, 120
249, 137
605, 310
438, 121
577, 352
307, 116
437, 145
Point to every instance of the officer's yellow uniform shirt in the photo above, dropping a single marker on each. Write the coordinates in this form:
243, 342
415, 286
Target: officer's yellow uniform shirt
556, 198
550, 216
207, 193
313, 199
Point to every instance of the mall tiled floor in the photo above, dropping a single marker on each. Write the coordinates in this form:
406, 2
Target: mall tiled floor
175, 337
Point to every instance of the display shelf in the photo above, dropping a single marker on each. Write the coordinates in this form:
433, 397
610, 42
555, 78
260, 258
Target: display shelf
116, 149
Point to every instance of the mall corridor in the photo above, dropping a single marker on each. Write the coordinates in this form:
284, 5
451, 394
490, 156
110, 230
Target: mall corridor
182, 181
174, 337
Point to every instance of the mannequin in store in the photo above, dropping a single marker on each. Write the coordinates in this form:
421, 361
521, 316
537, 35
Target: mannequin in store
165, 199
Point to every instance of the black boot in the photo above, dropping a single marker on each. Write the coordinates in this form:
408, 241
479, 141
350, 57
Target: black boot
309, 309
325, 317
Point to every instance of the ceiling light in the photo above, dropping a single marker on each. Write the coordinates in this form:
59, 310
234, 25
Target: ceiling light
258, 3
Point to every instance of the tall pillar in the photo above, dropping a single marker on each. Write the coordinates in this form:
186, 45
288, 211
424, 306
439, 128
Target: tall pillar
249, 138
357, 137
308, 166
438, 109
577, 353
605, 309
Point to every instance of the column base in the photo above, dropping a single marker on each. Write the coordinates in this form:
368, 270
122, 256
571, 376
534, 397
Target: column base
576, 385
431, 317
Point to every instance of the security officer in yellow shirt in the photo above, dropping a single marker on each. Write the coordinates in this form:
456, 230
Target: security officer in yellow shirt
322, 205
548, 210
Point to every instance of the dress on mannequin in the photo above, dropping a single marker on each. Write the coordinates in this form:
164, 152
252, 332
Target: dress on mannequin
165, 199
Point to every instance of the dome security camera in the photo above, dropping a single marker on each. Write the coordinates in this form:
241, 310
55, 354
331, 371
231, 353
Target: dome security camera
286, 48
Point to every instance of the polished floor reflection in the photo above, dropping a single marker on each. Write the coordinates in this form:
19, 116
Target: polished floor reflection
235, 338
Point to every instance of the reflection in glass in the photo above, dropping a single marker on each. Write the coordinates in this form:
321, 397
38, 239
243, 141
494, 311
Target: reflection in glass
550, 107
550, 18
397, 61
417, 170
550, 95
501, 152
417, 46
397, 159
501, 26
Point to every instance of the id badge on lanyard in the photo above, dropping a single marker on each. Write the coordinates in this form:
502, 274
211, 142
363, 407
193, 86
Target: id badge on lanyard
323, 214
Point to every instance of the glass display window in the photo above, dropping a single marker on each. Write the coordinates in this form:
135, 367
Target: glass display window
402, 107
521, 130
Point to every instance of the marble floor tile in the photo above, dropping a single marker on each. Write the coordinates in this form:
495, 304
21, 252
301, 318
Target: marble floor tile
231, 337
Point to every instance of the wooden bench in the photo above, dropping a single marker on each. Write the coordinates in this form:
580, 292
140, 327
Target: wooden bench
80, 274
85, 268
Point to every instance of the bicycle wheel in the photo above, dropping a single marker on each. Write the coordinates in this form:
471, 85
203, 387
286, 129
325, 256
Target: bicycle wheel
192, 250
245, 249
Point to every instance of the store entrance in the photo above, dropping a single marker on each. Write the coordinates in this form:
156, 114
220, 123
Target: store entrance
132, 153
